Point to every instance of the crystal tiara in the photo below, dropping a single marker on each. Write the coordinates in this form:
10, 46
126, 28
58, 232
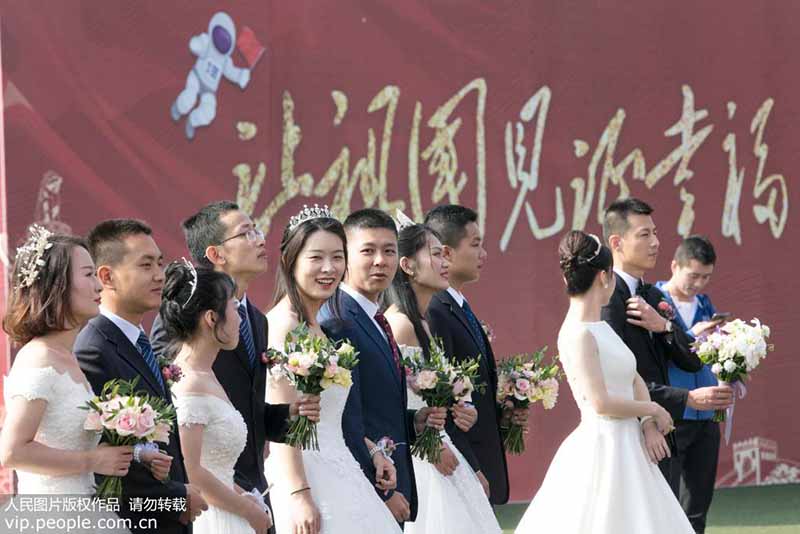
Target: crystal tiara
306, 214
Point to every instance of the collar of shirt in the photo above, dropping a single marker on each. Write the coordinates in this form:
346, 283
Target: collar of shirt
632, 281
130, 330
457, 296
369, 307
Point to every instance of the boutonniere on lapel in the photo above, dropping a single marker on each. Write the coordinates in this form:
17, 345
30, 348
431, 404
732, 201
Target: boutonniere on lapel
488, 331
170, 372
666, 310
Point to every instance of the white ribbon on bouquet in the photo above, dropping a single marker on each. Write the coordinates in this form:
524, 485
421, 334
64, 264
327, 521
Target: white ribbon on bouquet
739, 390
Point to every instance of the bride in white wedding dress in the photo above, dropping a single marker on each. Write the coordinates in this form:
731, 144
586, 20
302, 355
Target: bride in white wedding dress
43, 437
450, 496
604, 479
324, 491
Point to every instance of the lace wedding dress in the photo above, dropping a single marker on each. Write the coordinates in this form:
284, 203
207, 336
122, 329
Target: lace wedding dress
454, 503
61, 426
224, 439
346, 499
601, 480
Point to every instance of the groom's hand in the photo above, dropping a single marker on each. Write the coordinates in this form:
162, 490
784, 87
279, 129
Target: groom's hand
306, 405
448, 462
385, 473
640, 313
399, 507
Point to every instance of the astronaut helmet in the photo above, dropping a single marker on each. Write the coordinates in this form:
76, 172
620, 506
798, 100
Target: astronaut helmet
222, 32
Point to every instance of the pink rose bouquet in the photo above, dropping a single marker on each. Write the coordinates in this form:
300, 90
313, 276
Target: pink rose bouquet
127, 417
523, 380
440, 383
311, 364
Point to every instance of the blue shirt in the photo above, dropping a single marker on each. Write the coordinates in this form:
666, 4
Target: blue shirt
684, 379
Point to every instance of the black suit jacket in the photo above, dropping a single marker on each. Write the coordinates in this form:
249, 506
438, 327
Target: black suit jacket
482, 446
653, 352
104, 354
246, 389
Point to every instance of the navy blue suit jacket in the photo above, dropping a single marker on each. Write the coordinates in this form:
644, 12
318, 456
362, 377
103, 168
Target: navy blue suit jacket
376, 406
104, 353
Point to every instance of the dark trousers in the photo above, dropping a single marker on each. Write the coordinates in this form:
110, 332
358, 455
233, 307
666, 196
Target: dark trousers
698, 452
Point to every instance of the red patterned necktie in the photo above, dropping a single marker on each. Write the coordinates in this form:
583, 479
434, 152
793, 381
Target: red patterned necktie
387, 329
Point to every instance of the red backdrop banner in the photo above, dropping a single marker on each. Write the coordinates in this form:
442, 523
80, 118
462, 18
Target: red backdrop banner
537, 114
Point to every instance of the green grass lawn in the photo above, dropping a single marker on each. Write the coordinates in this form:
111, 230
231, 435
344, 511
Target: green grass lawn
764, 510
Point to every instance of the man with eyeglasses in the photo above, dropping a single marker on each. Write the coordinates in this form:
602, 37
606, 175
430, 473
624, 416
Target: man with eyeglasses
223, 237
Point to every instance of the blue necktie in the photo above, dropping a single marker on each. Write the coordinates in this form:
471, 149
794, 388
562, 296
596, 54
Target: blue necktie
476, 328
246, 336
143, 344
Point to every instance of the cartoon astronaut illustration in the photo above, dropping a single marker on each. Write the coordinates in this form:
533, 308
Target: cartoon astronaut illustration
213, 51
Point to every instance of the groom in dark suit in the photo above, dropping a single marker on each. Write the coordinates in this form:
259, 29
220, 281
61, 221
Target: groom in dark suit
452, 319
222, 237
113, 346
377, 404
653, 337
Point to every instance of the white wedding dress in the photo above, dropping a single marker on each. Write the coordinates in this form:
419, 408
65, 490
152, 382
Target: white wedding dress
601, 480
61, 426
455, 503
224, 439
347, 501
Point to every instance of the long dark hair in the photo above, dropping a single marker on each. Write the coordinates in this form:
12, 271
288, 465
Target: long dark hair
410, 240
292, 243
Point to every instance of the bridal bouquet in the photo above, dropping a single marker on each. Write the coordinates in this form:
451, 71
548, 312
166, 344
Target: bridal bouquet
311, 364
440, 383
127, 417
733, 350
521, 381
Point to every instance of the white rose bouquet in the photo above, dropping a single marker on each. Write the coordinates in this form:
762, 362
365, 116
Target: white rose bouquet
733, 350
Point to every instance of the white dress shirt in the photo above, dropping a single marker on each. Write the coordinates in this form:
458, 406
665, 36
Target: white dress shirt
369, 307
131, 331
457, 295
632, 281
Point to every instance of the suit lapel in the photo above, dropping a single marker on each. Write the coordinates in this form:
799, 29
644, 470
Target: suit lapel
458, 311
128, 353
365, 323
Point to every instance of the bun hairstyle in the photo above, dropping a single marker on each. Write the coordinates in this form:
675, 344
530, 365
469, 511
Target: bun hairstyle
187, 294
581, 257
292, 243
410, 240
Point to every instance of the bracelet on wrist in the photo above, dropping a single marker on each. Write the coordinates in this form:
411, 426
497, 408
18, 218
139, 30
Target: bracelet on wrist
645, 419
304, 488
139, 448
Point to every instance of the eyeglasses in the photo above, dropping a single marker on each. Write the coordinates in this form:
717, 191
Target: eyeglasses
252, 235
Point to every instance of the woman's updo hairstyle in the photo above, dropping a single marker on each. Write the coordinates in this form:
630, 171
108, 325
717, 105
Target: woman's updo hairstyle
581, 256
187, 294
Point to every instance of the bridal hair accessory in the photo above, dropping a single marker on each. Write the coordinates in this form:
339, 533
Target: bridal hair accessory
402, 221
31, 255
306, 214
596, 252
192, 281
